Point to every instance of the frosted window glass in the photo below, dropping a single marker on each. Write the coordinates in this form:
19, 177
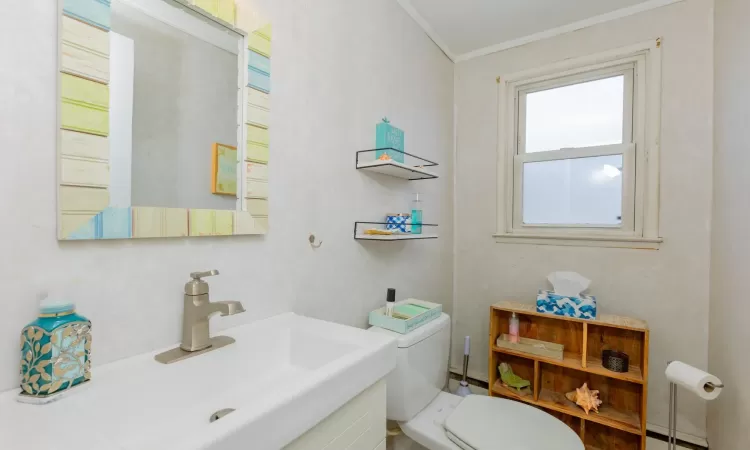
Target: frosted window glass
581, 115
573, 191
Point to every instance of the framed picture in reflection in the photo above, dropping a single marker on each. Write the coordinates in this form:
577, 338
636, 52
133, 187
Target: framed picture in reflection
224, 170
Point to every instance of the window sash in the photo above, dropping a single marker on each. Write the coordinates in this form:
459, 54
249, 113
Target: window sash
627, 225
647, 85
626, 70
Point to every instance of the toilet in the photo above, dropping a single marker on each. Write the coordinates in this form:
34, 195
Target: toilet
439, 420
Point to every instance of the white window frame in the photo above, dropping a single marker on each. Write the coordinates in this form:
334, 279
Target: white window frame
640, 149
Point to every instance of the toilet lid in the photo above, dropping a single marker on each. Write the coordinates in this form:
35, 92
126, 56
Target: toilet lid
487, 423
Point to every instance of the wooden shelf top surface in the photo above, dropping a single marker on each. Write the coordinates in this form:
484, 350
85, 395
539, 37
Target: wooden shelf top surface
610, 320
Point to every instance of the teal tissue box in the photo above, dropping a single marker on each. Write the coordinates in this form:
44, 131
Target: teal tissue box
389, 137
431, 312
583, 307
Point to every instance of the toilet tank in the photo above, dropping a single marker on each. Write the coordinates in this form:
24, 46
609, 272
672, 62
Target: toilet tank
421, 368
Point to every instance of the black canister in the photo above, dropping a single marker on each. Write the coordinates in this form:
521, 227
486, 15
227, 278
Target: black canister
615, 361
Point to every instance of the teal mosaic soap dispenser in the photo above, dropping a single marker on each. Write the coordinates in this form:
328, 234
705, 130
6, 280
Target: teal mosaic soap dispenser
55, 352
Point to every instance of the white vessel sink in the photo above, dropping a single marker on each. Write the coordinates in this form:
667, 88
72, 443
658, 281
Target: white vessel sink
282, 376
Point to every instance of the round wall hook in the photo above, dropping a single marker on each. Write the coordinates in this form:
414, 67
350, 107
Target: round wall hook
312, 239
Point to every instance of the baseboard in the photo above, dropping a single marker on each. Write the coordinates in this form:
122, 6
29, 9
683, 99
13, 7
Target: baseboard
473, 377
694, 441
680, 443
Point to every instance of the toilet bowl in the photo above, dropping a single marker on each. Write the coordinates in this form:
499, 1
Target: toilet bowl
439, 420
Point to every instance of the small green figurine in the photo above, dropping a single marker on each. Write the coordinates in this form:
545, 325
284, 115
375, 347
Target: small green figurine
510, 379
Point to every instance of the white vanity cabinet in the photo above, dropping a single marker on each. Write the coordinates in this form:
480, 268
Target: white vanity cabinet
358, 425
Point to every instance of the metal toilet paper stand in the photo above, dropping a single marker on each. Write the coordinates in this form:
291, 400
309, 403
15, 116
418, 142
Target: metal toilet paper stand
672, 438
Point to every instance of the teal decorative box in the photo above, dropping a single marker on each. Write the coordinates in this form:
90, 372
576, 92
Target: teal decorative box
388, 137
425, 312
55, 352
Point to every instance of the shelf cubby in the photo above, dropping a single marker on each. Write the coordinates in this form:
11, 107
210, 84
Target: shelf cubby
601, 437
621, 399
621, 421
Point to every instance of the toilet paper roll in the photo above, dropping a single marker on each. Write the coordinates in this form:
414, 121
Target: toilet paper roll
694, 380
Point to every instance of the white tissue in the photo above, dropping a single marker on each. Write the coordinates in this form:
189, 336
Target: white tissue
568, 284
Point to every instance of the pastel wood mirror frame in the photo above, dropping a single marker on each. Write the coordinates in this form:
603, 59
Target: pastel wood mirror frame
83, 147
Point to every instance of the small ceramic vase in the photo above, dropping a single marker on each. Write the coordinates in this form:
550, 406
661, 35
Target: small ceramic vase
55, 351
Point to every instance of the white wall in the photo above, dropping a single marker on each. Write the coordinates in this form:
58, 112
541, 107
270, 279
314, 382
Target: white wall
669, 287
729, 416
338, 67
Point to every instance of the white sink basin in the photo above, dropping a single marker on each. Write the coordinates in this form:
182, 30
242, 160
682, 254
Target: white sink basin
282, 376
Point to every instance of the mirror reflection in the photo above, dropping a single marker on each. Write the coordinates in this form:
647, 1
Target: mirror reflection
173, 100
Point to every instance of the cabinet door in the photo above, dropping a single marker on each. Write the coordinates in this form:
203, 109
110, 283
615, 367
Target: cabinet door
358, 425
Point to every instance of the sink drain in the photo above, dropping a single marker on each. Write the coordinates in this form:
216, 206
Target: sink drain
221, 413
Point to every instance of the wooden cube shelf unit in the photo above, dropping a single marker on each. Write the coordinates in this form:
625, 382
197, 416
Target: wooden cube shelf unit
620, 423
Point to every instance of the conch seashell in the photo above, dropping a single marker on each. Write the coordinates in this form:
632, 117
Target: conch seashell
585, 398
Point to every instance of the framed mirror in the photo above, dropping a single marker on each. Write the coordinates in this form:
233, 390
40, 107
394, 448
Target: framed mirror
163, 120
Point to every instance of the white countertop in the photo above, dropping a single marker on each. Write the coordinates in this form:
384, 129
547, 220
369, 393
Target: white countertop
283, 375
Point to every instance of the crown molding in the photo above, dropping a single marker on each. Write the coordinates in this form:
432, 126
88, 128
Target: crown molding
575, 26
409, 8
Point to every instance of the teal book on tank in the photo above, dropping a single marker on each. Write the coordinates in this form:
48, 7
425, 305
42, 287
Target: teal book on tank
407, 315
55, 351
389, 137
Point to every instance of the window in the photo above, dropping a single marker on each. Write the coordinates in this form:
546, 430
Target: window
579, 151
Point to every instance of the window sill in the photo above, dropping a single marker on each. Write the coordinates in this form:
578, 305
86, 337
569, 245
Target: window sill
580, 241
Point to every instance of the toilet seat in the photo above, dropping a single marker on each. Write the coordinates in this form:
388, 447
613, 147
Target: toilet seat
426, 428
485, 423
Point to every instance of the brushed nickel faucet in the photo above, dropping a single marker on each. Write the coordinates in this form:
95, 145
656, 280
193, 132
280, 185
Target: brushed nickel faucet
198, 309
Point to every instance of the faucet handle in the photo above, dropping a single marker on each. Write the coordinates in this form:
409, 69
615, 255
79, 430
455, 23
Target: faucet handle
196, 286
198, 275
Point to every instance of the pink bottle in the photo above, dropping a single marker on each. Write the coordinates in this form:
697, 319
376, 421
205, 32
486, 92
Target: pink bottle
513, 331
